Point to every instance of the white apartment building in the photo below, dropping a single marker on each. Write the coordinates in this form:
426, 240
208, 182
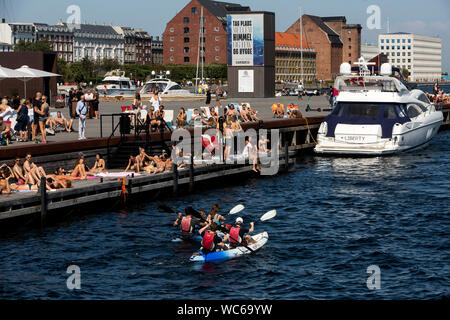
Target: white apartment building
12, 33
98, 42
421, 55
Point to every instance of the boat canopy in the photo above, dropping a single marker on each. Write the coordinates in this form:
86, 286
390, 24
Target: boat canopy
384, 114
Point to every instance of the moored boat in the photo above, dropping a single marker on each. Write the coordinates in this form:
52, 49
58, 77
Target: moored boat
376, 115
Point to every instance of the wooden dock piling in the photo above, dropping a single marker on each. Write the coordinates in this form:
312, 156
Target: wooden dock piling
43, 192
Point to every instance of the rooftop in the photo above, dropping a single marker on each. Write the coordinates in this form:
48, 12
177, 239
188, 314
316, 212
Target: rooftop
290, 40
221, 9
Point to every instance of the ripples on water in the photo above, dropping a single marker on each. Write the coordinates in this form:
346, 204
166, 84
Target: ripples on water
336, 217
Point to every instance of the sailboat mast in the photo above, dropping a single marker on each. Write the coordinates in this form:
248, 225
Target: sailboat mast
203, 43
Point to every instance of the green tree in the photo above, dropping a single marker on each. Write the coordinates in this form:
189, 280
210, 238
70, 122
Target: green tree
41, 45
405, 73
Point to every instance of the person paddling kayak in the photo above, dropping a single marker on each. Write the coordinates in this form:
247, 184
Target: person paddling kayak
214, 216
188, 224
239, 235
211, 242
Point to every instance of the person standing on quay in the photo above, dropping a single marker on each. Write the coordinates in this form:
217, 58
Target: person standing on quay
208, 98
82, 110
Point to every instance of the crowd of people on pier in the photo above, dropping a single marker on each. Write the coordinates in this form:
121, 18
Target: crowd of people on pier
27, 176
30, 120
439, 95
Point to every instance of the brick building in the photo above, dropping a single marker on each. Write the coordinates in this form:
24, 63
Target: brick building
334, 41
182, 34
288, 57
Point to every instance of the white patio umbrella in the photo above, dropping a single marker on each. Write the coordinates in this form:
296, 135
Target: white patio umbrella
6, 73
30, 73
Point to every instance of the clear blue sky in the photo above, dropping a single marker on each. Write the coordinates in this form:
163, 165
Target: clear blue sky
429, 17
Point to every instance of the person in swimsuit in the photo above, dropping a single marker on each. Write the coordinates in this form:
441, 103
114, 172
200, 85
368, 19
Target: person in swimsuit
133, 164
34, 172
79, 172
181, 118
214, 216
99, 165
42, 117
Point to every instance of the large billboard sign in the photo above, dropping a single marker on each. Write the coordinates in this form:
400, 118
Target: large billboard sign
245, 40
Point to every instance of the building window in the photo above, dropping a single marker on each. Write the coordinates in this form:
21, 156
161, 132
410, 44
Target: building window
398, 54
382, 40
172, 39
403, 47
349, 47
203, 40
186, 30
382, 47
194, 10
216, 29
217, 38
409, 47
172, 29
349, 39
217, 48
186, 59
409, 40
172, 59
186, 20
203, 30
186, 40
387, 40
349, 54
398, 40
398, 47
217, 58
172, 49
186, 49
403, 40
202, 20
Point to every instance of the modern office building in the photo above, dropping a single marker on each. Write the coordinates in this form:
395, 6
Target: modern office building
420, 55
182, 34
288, 58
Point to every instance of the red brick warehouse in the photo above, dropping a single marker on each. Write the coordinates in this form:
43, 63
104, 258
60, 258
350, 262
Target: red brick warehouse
181, 36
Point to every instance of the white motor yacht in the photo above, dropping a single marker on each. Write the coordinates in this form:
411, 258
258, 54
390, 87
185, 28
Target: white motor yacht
163, 86
116, 83
376, 115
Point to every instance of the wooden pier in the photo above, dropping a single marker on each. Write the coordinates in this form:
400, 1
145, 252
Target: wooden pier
297, 136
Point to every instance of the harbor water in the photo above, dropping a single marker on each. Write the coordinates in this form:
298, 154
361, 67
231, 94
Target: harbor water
336, 217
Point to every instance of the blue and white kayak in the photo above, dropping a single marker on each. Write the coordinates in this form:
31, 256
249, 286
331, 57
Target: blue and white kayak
219, 256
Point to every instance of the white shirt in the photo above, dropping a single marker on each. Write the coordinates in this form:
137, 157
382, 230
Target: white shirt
9, 112
247, 149
89, 97
155, 102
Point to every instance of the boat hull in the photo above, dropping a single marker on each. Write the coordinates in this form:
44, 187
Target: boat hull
419, 135
261, 239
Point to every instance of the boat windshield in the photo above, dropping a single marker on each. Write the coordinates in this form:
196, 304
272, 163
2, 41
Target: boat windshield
111, 82
384, 114
160, 86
